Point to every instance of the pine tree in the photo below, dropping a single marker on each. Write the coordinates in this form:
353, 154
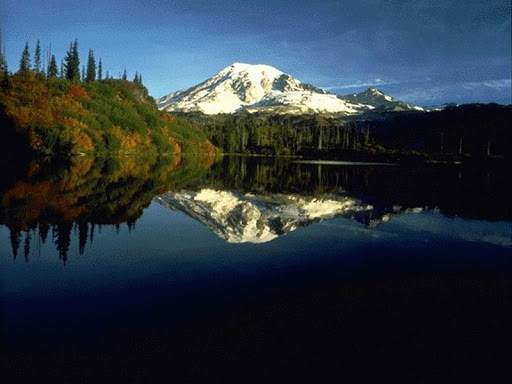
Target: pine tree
69, 65
140, 79
100, 71
25, 59
136, 78
125, 76
3, 61
82, 78
37, 57
72, 62
91, 67
52, 68
6, 81
107, 76
62, 69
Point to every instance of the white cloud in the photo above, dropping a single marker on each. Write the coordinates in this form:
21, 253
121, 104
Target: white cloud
374, 83
462, 92
495, 84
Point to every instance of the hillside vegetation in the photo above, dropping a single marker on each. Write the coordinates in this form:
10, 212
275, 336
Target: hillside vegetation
52, 116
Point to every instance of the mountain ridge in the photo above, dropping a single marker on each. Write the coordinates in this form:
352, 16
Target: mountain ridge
378, 99
251, 88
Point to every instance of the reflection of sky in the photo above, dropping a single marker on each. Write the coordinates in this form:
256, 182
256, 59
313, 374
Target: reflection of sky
423, 51
435, 225
172, 262
172, 246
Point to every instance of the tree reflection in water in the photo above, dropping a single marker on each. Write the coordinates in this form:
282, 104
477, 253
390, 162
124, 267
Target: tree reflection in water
75, 199
80, 196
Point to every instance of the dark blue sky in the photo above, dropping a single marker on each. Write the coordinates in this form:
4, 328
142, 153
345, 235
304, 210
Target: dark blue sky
427, 52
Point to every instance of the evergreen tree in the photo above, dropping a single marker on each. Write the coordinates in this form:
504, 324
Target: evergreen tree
69, 65
140, 79
91, 67
72, 62
6, 81
3, 61
61, 69
107, 76
52, 68
100, 71
37, 57
136, 78
25, 59
82, 78
125, 76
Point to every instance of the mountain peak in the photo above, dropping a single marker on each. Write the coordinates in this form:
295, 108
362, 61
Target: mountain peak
239, 67
243, 87
375, 92
251, 73
380, 101
251, 88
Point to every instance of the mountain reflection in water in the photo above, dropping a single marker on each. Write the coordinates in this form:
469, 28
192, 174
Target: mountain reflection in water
240, 199
350, 284
251, 218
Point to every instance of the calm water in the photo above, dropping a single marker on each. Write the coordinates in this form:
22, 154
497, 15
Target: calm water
250, 269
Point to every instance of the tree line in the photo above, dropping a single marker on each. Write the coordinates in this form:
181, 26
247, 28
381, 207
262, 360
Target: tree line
474, 131
284, 135
69, 69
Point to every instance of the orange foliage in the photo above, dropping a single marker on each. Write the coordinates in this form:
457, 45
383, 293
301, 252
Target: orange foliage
84, 142
129, 141
73, 123
65, 121
168, 118
77, 92
208, 147
175, 144
82, 166
40, 197
34, 139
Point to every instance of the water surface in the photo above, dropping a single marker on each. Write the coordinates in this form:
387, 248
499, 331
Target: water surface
261, 269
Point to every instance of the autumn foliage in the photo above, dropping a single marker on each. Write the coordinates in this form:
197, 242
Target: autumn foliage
85, 193
61, 117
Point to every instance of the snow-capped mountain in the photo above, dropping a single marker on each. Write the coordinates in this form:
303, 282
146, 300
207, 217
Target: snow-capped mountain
262, 88
252, 88
380, 101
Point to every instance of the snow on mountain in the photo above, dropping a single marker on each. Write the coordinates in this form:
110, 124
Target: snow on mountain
249, 218
252, 88
380, 101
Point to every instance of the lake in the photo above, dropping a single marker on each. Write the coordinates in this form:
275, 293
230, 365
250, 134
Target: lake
253, 269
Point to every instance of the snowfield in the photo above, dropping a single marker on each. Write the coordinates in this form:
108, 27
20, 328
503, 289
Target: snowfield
252, 88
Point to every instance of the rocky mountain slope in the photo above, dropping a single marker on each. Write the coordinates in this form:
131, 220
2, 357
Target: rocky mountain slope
380, 101
262, 88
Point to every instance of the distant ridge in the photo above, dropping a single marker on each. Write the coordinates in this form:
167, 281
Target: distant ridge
380, 101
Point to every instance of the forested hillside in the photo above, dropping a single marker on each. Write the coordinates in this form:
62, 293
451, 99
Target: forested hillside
467, 132
46, 112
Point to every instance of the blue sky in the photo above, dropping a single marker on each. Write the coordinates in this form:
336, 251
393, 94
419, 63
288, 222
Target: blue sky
426, 52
